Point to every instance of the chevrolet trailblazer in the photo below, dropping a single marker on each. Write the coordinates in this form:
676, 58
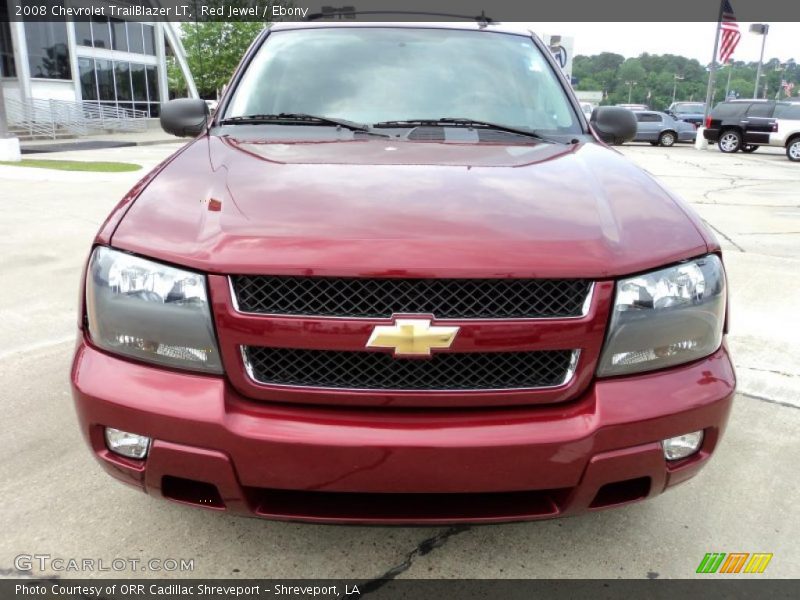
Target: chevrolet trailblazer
398, 277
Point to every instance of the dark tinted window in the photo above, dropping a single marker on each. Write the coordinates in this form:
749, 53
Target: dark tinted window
88, 83
122, 74
149, 40
761, 109
135, 39
119, 35
7, 66
788, 111
648, 118
101, 33
48, 54
729, 109
139, 82
152, 83
105, 79
83, 33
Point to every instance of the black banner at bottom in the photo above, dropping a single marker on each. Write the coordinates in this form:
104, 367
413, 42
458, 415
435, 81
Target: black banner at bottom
391, 589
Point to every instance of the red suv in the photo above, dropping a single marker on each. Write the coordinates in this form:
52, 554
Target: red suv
396, 278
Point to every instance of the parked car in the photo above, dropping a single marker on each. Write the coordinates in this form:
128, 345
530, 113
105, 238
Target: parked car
662, 130
786, 131
431, 295
587, 109
741, 125
691, 112
634, 106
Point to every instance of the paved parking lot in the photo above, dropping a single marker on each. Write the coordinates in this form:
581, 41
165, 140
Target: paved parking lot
57, 501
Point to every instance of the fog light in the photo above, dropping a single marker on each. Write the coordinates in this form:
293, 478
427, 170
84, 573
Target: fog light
682, 446
127, 444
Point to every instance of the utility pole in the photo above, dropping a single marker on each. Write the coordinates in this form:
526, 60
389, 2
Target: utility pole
713, 66
761, 29
675, 79
630, 89
728, 86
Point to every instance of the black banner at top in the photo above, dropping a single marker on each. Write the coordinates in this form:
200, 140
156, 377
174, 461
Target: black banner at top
670, 11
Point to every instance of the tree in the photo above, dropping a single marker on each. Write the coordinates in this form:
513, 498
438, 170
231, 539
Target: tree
213, 50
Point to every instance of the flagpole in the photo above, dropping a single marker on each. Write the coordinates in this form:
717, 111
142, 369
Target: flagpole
713, 64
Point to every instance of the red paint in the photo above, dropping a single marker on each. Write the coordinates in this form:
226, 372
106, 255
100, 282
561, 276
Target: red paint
463, 210
374, 207
212, 433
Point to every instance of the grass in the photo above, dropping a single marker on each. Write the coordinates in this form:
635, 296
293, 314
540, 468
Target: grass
75, 165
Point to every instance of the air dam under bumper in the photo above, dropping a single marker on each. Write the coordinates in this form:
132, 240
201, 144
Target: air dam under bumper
215, 449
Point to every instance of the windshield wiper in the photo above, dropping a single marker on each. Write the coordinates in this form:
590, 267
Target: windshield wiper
462, 122
294, 118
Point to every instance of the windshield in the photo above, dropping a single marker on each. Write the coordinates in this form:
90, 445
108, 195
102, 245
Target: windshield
375, 74
685, 109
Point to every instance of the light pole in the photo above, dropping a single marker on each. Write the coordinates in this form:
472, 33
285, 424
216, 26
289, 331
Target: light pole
630, 89
675, 79
761, 29
728, 85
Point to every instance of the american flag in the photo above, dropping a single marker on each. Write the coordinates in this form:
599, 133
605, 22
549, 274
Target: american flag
730, 32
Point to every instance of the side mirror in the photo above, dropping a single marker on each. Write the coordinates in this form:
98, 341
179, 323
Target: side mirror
184, 117
614, 124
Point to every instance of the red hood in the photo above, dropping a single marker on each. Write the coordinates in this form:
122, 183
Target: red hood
408, 208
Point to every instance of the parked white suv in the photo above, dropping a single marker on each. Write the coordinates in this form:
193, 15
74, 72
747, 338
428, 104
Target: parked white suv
786, 130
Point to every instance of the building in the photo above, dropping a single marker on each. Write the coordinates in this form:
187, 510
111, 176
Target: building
108, 62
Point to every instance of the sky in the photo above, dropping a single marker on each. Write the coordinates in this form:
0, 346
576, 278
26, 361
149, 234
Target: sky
694, 40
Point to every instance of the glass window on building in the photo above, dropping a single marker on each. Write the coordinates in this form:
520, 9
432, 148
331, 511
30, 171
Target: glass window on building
149, 39
83, 33
101, 32
119, 35
135, 38
139, 81
7, 66
152, 83
105, 80
122, 75
48, 52
88, 82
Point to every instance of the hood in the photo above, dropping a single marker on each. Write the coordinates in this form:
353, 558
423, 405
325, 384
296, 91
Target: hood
397, 208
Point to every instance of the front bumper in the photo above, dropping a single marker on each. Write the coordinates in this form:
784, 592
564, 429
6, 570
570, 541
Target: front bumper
216, 449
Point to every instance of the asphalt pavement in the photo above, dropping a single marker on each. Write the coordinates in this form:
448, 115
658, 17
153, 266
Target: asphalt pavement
58, 502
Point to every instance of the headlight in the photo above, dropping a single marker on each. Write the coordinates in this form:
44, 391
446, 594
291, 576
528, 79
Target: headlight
666, 318
150, 311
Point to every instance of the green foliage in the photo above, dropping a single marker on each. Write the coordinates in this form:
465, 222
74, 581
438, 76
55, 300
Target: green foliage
75, 165
213, 50
655, 75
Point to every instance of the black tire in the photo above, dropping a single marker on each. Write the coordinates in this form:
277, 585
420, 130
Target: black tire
750, 148
667, 139
793, 149
730, 141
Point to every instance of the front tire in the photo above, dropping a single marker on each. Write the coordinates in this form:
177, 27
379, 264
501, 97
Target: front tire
793, 150
750, 148
667, 139
730, 141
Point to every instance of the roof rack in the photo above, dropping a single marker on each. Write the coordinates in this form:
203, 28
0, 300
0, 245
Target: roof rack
350, 12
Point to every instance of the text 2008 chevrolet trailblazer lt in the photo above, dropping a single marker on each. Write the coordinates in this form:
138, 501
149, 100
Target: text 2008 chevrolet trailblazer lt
398, 278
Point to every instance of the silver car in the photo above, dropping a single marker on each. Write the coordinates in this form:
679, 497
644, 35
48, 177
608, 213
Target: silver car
660, 129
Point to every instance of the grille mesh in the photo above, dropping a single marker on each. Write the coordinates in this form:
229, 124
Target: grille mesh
444, 298
381, 371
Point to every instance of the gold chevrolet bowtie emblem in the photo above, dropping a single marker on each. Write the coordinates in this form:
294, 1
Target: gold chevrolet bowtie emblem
412, 337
